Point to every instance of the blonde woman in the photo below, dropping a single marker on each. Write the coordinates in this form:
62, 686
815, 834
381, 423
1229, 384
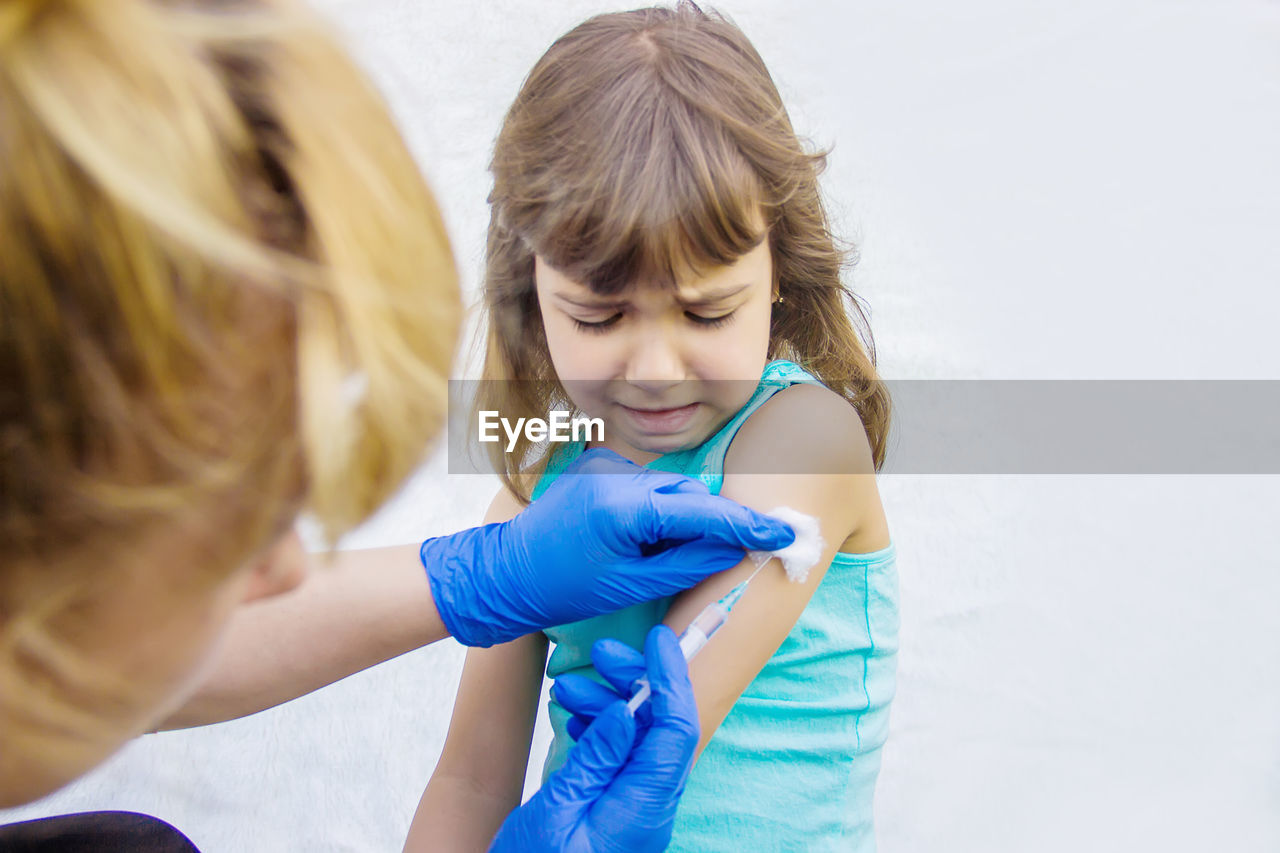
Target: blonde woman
227, 297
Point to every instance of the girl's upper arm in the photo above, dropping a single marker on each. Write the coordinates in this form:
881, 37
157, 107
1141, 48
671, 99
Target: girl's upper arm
497, 704
815, 448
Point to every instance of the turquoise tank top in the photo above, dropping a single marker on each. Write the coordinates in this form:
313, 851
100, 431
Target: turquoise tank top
794, 764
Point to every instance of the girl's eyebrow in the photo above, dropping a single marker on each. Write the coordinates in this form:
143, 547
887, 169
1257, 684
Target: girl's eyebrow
716, 295
706, 298
589, 303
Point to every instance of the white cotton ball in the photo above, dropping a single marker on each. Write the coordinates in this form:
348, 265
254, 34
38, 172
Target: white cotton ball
801, 555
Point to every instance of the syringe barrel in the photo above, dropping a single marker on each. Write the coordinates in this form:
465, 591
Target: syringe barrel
710, 620
692, 639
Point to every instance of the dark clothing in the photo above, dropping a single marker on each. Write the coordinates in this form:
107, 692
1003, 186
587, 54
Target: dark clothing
94, 832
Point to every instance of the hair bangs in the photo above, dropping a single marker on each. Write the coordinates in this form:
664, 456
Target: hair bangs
670, 196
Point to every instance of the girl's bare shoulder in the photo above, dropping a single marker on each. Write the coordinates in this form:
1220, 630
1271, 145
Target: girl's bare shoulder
802, 429
806, 448
504, 506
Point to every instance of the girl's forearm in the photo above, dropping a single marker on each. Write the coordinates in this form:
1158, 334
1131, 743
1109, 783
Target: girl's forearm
455, 814
480, 776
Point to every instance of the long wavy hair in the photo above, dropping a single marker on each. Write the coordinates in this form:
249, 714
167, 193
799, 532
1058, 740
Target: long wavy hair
226, 296
641, 146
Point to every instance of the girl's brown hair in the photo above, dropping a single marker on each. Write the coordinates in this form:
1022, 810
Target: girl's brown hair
226, 295
643, 146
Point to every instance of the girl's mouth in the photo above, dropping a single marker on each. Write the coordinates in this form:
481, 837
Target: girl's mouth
661, 421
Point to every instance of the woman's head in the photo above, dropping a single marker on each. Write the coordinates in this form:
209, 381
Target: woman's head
226, 296
649, 151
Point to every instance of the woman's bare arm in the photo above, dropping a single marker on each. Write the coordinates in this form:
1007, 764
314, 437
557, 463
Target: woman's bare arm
360, 609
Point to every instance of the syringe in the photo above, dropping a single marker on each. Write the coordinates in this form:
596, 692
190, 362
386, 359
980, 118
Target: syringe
700, 630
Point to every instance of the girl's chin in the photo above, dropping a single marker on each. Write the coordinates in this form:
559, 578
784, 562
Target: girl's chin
651, 447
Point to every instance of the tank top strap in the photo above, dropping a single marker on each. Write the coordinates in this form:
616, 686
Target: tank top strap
706, 461
561, 457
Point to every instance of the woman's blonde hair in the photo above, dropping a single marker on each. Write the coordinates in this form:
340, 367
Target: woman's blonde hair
642, 146
226, 292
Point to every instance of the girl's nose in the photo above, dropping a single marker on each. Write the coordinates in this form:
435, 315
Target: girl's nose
655, 362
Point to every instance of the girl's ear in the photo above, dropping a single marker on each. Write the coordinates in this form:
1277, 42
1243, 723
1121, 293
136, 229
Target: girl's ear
279, 570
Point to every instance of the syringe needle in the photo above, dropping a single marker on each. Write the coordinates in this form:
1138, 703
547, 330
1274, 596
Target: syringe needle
693, 638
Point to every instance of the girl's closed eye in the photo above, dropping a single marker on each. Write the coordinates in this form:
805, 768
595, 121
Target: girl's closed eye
711, 322
596, 327
601, 326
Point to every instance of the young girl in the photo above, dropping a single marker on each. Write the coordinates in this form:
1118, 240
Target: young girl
659, 257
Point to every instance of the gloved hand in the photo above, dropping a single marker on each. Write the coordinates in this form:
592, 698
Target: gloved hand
609, 795
585, 698
607, 534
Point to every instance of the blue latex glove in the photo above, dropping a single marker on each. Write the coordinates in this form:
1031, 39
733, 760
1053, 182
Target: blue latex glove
585, 698
611, 795
607, 534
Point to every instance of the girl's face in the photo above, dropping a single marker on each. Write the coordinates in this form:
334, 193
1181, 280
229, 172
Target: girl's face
663, 368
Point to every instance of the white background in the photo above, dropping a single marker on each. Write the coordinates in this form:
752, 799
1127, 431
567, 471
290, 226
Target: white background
1084, 190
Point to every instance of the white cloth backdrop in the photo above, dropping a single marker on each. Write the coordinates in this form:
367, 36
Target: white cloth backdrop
1084, 190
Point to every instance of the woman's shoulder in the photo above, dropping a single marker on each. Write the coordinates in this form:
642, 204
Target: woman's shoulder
805, 428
